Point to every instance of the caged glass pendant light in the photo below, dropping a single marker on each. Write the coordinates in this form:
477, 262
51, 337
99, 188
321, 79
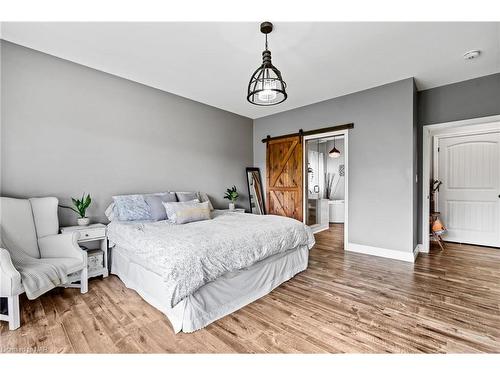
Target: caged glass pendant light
266, 87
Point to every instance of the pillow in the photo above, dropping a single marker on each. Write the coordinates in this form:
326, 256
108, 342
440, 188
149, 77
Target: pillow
110, 212
156, 208
131, 207
204, 198
186, 196
187, 212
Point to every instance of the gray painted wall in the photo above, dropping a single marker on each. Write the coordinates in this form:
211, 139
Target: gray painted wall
473, 98
67, 129
380, 157
479, 97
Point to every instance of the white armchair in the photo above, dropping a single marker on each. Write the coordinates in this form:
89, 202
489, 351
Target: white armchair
32, 226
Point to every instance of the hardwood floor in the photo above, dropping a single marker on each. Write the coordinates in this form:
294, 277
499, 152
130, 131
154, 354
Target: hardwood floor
345, 302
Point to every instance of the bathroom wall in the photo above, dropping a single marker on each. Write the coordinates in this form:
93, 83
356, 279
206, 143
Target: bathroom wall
332, 167
316, 161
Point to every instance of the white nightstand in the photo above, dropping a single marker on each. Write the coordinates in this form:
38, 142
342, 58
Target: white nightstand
93, 232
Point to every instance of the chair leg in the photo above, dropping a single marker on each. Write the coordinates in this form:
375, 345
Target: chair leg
84, 281
14, 313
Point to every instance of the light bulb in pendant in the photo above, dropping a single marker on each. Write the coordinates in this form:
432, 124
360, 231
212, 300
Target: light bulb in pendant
268, 94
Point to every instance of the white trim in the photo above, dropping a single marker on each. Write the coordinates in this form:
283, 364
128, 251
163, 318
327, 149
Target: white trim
416, 251
446, 129
317, 229
345, 134
426, 172
346, 188
406, 256
468, 122
421, 249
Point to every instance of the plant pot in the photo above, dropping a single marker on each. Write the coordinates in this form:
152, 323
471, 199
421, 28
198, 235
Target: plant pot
231, 207
83, 221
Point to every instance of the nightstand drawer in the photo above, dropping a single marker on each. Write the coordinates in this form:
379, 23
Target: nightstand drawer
89, 234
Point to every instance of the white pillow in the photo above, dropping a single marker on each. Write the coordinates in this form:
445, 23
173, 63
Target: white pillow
187, 212
110, 212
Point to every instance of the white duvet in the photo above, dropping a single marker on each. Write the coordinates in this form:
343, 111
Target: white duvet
188, 256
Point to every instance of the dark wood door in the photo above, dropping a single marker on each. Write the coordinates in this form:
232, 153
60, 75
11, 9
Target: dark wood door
284, 177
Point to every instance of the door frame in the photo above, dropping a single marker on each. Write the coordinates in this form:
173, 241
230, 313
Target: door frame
345, 133
480, 125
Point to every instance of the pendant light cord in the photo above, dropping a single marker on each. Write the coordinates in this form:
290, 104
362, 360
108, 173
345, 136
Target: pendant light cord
266, 42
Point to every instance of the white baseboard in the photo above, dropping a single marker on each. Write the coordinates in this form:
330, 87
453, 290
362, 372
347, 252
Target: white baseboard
417, 250
423, 249
317, 228
406, 256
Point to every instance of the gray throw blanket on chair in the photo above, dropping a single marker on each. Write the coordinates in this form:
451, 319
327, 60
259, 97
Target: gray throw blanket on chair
38, 275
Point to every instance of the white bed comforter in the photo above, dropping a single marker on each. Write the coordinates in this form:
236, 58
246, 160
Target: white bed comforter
189, 256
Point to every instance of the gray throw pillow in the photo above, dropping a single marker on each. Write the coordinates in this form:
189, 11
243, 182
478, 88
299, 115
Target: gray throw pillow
204, 198
131, 207
156, 207
186, 196
187, 212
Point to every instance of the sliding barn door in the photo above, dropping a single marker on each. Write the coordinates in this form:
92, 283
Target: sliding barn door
284, 177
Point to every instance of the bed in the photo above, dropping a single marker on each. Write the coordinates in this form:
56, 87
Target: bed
198, 272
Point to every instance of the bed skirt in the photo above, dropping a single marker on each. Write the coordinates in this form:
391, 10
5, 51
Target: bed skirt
216, 299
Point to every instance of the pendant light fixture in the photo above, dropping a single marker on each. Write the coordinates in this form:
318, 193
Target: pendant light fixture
334, 153
266, 87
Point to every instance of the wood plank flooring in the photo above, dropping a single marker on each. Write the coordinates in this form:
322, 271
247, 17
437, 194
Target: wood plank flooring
345, 302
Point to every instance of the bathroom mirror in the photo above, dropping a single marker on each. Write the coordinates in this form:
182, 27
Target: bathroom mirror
255, 191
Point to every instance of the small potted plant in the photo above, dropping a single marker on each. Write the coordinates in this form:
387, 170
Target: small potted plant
232, 195
80, 207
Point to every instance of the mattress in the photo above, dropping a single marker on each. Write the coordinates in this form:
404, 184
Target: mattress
215, 299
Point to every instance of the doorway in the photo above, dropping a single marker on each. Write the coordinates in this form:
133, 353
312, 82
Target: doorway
462, 159
326, 181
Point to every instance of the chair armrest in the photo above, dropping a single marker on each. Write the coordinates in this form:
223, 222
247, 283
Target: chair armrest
10, 278
61, 246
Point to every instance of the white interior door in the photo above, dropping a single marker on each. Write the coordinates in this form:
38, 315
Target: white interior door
469, 198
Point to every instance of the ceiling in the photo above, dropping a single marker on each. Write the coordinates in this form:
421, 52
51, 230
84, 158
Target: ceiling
211, 62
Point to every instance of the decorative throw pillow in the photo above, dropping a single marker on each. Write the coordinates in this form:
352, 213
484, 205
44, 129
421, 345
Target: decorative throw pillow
186, 196
204, 198
131, 207
187, 212
110, 212
156, 208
